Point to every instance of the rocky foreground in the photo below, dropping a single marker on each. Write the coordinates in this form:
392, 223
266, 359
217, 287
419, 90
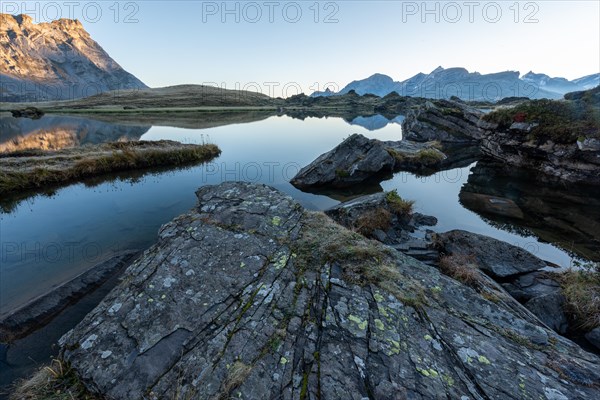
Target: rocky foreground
250, 296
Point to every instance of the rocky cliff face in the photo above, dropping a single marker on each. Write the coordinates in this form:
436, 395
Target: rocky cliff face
249, 296
54, 61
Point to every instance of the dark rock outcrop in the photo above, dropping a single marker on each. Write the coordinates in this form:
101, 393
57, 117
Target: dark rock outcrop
559, 139
574, 162
359, 160
539, 291
443, 120
249, 296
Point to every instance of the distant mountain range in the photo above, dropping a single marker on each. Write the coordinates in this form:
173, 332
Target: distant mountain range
55, 61
473, 86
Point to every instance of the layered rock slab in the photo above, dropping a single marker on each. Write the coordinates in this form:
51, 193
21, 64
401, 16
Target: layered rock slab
250, 296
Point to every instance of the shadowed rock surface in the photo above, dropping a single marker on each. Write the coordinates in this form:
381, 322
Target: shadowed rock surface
250, 296
443, 120
560, 139
538, 291
360, 160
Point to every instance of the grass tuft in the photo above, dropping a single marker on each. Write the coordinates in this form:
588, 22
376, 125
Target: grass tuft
461, 267
372, 220
363, 261
581, 289
398, 205
54, 382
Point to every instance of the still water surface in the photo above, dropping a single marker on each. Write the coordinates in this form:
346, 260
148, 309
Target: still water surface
47, 239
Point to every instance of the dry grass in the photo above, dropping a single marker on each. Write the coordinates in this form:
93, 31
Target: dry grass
363, 261
461, 267
122, 157
379, 218
581, 289
237, 374
55, 382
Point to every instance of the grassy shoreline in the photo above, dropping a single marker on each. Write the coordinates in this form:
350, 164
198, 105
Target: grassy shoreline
37, 169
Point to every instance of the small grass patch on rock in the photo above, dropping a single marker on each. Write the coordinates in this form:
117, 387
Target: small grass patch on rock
461, 267
581, 289
398, 205
377, 219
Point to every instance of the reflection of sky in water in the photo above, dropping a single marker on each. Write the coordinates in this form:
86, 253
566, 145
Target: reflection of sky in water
46, 240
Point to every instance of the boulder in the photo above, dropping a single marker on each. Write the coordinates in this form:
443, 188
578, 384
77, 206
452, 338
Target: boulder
531, 285
445, 121
498, 259
549, 309
358, 160
250, 296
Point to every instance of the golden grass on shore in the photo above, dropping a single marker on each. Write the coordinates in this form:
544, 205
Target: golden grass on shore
29, 170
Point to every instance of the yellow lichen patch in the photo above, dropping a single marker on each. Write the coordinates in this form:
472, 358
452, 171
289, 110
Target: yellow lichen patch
448, 379
276, 221
483, 360
427, 337
281, 261
378, 297
379, 324
430, 373
362, 325
382, 311
283, 361
395, 348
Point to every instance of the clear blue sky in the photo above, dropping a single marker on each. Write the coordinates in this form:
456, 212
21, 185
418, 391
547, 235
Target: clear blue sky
173, 42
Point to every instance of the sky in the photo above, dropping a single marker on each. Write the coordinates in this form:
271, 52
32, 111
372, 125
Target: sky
285, 47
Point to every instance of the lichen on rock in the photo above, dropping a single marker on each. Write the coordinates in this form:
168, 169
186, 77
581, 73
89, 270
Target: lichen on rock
344, 317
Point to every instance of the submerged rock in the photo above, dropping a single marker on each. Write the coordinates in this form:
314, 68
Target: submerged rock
250, 296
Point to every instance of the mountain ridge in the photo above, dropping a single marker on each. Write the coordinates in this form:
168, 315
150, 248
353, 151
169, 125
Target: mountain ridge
474, 86
55, 60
